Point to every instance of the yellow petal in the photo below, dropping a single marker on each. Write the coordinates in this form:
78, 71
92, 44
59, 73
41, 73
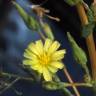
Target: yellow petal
28, 54
47, 44
37, 67
39, 46
59, 65
47, 75
53, 47
29, 62
34, 65
32, 48
58, 55
52, 69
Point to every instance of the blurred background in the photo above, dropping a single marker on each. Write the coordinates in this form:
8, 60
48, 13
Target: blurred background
15, 36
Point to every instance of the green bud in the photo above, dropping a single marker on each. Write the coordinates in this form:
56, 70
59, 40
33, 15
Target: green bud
79, 55
30, 22
73, 2
48, 31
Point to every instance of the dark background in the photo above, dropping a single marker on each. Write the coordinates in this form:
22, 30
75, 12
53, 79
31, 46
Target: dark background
15, 36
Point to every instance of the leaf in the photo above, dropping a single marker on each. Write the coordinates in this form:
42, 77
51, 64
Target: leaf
30, 22
73, 2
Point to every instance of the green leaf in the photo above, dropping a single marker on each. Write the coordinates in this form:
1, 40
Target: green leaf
79, 55
30, 22
73, 2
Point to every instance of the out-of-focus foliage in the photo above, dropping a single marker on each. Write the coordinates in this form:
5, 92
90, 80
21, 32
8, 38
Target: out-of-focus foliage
48, 31
57, 86
88, 28
73, 2
93, 8
30, 21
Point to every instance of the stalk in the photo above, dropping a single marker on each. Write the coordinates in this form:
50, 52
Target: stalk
71, 81
89, 40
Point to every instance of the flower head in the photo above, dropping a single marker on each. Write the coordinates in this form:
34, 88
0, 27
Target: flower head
44, 58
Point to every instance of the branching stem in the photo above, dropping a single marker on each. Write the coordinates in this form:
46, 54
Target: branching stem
89, 40
71, 81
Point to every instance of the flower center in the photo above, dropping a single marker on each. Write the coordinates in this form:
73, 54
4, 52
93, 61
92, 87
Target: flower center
44, 59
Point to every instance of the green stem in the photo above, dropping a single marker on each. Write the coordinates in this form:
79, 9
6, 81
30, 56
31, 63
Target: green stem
41, 35
16, 76
9, 85
78, 84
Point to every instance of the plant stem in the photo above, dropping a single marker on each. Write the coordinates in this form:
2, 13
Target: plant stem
71, 81
39, 31
41, 35
79, 85
89, 40
16, 76
9, 85
94, 1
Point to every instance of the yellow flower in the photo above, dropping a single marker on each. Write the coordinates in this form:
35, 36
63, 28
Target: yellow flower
44, 58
